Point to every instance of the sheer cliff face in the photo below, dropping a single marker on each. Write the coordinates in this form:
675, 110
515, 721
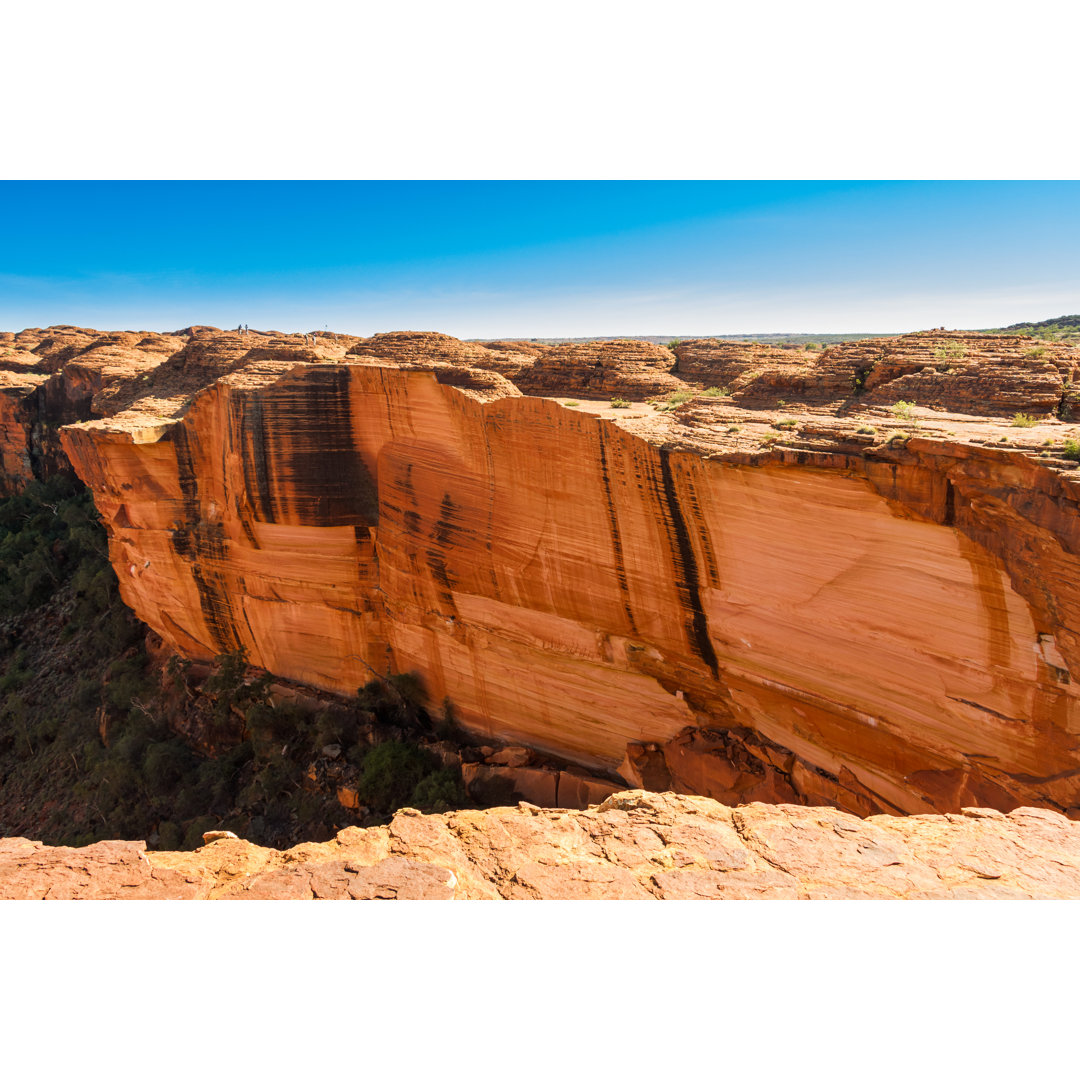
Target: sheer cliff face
888, 632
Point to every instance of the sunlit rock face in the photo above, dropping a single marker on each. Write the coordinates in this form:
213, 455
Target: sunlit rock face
889, 629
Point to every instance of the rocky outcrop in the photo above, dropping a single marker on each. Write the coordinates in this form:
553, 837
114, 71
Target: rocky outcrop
791, 594
633, 370
974, 374
635, 845
427, 350
705, 362
950, 371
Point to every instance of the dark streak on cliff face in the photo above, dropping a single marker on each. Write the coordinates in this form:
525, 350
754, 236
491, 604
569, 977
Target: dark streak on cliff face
616, 537
685, 562
252, 428
203, 545
949, 513
704, 537
343, 491
490, 426
443, 535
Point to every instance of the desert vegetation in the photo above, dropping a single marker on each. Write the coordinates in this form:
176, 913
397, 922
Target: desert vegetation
672, 401
1062, 328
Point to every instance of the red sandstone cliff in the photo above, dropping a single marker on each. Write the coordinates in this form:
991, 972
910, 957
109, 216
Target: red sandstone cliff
748, 597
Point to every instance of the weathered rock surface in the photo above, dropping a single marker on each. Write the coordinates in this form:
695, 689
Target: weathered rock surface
732, 365
634, 370
976, 374
790, 594
635, 845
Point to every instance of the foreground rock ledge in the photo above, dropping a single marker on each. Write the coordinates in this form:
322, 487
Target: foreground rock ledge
636, 845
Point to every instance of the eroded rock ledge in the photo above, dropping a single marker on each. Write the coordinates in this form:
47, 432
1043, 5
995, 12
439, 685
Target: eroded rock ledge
635, 845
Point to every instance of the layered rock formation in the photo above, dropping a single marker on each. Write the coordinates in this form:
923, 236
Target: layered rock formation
633, 370
792, 594
975, 374
732, 365
634, 846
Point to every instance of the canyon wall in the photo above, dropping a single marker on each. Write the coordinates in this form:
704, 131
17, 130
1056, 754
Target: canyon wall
820, 617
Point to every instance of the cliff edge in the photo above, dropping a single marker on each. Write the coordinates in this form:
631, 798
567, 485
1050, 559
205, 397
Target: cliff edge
636, 845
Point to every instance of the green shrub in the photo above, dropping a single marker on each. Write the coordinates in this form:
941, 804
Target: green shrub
620, 403
867, 429
165, 764
439, 792
1071, 450
390, 774
951, 350
170, 836
789, 422
341, 726
396, 699
903, 410
1023, 420
571, 404
716, 391
674, 400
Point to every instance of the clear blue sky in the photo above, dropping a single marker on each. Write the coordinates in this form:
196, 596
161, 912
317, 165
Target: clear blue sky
539, 259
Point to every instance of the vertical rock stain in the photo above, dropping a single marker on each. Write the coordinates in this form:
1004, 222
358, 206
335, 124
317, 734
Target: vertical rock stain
685, 564
616, 536
315, 422
204, 547
252, 428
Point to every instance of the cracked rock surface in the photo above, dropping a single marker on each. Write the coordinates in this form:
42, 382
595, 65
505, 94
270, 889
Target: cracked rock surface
635, 845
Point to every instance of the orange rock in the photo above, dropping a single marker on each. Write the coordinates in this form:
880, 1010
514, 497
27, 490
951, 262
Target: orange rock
348, 797
634, 845
497, 783
894, 624
514, 756
633, 370
580, 792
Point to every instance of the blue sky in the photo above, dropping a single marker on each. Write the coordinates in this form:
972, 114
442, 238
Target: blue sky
533, 259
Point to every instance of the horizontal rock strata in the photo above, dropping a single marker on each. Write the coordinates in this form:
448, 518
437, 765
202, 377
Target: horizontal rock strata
779, 589
634, 846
